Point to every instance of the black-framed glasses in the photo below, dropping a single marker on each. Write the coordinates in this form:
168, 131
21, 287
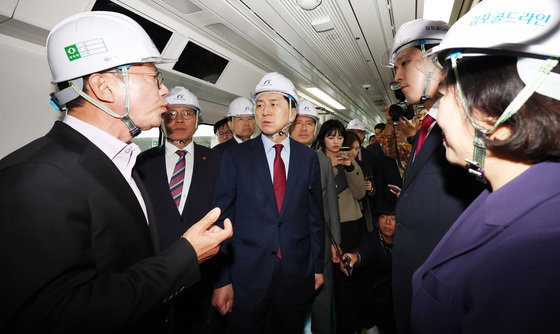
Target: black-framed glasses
158, 76
224, 133
186, 113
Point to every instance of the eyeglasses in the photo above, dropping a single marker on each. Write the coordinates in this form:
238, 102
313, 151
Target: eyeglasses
187, 114
158, 76
226, 133
391, 217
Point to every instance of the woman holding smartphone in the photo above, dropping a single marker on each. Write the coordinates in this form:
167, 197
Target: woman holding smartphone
351, 188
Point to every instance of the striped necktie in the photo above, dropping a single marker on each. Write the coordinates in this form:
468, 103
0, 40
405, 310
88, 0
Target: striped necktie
176, 182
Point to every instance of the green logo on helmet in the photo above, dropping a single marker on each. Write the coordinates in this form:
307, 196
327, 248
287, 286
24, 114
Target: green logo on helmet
72, 52
84, 49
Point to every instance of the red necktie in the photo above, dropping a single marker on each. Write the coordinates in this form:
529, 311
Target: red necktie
176, 182
279, 182
426, 122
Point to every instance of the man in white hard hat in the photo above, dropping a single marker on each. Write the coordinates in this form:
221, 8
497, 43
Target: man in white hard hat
76, 226
434, 192
241, 120
180, 176
303, 130
270, 187
306, 123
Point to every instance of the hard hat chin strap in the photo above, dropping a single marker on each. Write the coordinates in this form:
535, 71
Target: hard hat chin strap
182, 141
425, 97
132, 128
282, 132
476, 165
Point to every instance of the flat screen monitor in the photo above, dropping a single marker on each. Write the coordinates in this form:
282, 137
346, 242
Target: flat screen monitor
200, 63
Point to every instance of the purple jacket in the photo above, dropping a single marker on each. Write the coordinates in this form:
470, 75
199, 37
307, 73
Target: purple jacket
497, 270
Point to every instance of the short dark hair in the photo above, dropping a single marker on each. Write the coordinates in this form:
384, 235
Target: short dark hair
350, 138
219, 124
330, 127
379, 126
490, 83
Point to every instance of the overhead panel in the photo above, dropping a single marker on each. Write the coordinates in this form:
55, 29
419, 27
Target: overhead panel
334, 54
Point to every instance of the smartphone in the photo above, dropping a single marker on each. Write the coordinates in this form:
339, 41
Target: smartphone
344, 149
394, 188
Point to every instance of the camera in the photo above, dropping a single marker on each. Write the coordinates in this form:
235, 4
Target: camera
401, 108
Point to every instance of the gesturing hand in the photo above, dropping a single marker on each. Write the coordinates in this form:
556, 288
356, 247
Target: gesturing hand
206, 238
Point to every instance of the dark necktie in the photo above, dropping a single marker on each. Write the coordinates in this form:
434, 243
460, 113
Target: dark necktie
426, 122
176, 182
279, 182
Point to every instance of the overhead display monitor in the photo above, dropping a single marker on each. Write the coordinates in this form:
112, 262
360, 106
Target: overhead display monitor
200, 63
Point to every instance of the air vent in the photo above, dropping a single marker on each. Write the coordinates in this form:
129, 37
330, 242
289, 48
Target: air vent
184, 6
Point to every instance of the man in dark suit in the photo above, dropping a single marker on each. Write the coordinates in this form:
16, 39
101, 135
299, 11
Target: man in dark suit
434, 192
270, 187
303, 130
77, 245
241, 120
195, 175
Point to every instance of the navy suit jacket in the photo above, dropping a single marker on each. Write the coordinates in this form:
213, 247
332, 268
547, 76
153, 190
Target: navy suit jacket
245, 194
496, 270
227, 144
152, 170
434, 194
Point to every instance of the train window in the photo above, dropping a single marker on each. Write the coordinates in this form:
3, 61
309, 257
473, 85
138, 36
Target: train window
204, 135
200, 63
159, 35
148, 139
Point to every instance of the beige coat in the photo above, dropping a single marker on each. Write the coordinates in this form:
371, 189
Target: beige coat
348, 205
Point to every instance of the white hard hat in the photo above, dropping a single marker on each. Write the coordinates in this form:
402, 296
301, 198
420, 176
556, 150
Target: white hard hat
240, 107
356, 124
526, 29
416, 32
91, 42
306, 108
181, 96
513, 26
275, 83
